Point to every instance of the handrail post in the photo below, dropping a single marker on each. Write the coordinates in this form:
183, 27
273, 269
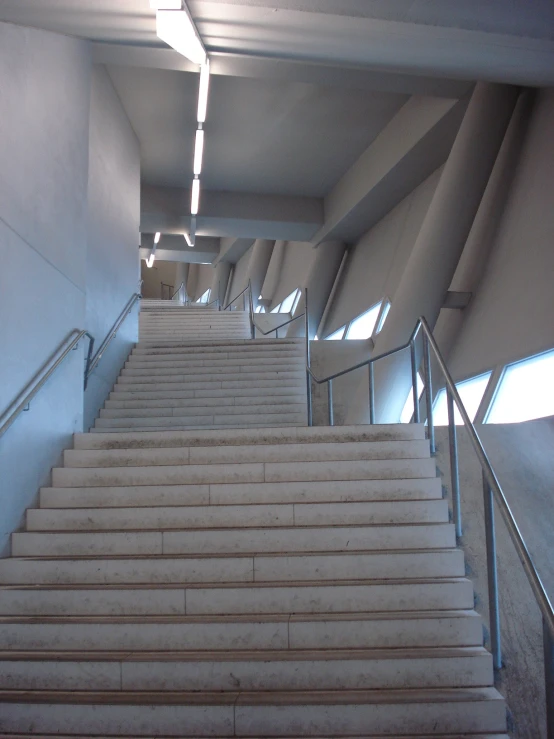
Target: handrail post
330, 401
308, 378
428, 393
371, 393
414, 381
454, 472
548, 642
251, 311
492, 575
88, 359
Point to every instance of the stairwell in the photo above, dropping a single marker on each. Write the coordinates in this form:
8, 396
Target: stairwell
205, 564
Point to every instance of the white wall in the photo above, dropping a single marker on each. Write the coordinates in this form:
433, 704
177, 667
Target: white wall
112, 266
374, 265
161, 271
297, 261
68, 260
511, 314
44, 126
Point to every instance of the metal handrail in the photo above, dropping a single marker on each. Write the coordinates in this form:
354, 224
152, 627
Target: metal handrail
112, 333
237, 296
179, 290
271, 330
21, 404
248, 289
491, 487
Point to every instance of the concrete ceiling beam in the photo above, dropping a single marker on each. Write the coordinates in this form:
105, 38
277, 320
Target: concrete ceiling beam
409, 149
231, 214
174, 248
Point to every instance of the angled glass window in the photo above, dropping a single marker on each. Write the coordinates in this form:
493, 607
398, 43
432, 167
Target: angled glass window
289, 301
383, 316
362, 326
296, 301
471, 392
276, 309
336, 335
260, 309
204, 298
408, 410
526, 391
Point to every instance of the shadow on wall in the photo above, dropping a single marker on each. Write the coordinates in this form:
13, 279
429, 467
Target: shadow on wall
521, 455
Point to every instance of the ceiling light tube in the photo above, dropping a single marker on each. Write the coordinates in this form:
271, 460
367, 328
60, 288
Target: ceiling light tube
150, 260
188, 239
198, 151
203, 92
195, 196
177, 29
157, 237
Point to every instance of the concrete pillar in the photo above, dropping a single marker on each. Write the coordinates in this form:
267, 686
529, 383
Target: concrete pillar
319, 282
271, 279
258, 266
436, 252
220, 282
192, 281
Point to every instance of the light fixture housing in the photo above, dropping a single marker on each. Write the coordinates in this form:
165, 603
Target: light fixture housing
198, 151
177, 29
195, 196
189, 241
157, 237
203, 88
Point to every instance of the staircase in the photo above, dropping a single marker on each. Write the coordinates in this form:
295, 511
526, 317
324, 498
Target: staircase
165, 320
189, 577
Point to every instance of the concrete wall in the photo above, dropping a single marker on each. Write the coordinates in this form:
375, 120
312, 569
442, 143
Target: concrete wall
44, 129
511, 314
112, 267
375, 264
521, 455
68, 238
238, 281
153, 277
297, 260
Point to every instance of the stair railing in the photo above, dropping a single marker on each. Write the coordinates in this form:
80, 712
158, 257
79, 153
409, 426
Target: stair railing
23, 400
181, 286
281, 325
492, 489
245, 294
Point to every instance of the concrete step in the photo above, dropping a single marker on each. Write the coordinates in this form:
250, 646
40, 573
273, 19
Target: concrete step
221, 516
235, 714
285, 384
258, 472
214, 390
196, 426
235, 370
336, 631
184, 455
220, 403
185, 410
227, 494
278, 415
255, 670
232, 541
186, 355
209, 376
186, 364
239, 598
306, 435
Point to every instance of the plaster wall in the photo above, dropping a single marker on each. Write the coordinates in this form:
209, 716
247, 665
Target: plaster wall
205, 277
521, 456
297, 260
112, 265
510, 316
45, 82
153, 277
375, 263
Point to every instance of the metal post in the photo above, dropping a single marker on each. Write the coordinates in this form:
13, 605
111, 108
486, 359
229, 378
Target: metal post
548, 641
89, 358
371, 393
330, 401
428, 393
454, 473
492, 575
414, 382
308, 378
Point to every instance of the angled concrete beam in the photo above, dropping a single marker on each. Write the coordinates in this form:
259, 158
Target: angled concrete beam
412, 146
259, 67
232, 250
226, 214
173, 248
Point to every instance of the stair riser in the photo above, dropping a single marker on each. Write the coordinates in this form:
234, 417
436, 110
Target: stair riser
153, 377
256, 493
228, 541
329, 674
92, 519
246, 454
391, 634
239, 369
187, 411
266, 403
184, 393
244, 720
287, 385
169, 422
187, 363
239, 569
244, 600
248, 473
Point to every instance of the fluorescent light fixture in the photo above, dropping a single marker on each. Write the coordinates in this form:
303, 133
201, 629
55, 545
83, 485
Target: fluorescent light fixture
188, 240
203, 92
198, 151
195, 196
177, 29
157, 237
150, 260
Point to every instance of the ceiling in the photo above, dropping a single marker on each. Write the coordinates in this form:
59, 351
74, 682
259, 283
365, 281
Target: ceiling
300, 88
